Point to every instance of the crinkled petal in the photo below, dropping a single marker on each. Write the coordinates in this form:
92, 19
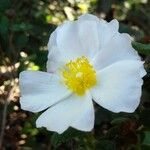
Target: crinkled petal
63, 45
88, 36
55, 60
119, 86
103, 29
118, 48
89, 17
70, 39
106, 31
83, 37
52, 43
40, 90
75, 111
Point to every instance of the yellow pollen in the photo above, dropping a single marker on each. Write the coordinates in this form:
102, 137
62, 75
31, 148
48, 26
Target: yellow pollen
79, 75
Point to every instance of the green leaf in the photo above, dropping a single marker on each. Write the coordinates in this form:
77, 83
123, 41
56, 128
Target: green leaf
21, 27
105, 145
102, 115
118, 120
126, 28
4, 28
57, 139
146, 140
141, 48
20, 40
145, 147
112, 132
144, 117
4, 4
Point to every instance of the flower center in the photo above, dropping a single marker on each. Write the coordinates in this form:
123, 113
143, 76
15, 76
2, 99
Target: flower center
79, 75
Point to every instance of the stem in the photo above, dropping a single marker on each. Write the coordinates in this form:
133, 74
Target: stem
4, 115
3, 123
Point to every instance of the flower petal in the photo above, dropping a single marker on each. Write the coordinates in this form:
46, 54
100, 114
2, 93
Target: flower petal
118, 48
71, 38
40, 90
89, 39
89, 17
75, 111
52, 43
54, 55
68, 40
106, 31
103, 29
63, 46
67, 43
55, 60
83, 37
119, 86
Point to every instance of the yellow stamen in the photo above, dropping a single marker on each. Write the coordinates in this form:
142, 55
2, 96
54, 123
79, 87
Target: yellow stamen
79, 75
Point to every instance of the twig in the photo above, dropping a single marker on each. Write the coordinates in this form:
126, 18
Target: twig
3, 123
4, 115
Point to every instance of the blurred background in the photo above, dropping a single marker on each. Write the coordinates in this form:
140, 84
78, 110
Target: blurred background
25, 27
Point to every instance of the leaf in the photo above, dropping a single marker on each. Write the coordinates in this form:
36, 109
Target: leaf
21, 40
112, 132
118, 120
21, 27
145, 147
146, 140
4, 4
144, 117
136, 34
105, 145
4, 26
41, 58
141, 48
57, 139
102, 115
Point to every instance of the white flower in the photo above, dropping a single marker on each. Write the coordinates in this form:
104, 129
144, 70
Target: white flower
88, 59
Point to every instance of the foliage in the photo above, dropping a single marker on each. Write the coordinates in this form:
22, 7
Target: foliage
25, 27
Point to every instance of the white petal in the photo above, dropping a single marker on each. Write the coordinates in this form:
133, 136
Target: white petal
103, 29
76, 39
88, 35
75, 111
68, 40
119, 86
64, 45
83, 37
40, 90
55, 60
106, 31
89, 17
52, 43
112, 26
119, 48
96, 33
